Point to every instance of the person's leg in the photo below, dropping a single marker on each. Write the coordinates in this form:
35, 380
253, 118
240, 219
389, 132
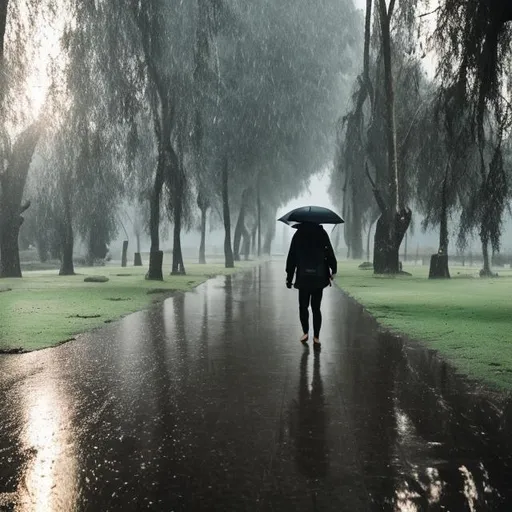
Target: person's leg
316, 301
304, 297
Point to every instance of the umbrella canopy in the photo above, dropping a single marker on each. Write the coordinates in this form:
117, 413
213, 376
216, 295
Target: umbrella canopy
315, 214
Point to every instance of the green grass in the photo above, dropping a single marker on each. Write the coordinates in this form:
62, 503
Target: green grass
41, 309
467, 319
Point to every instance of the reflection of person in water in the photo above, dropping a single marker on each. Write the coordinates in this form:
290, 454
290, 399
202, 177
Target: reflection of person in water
309, 422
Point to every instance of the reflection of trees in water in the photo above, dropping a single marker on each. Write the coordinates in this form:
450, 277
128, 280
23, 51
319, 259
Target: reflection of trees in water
309, 422
203, 339
454, 443
228, 317
368, 368
228, 304
419, 434
182, 367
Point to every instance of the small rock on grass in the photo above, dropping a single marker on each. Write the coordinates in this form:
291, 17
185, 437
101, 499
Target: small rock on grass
96, 279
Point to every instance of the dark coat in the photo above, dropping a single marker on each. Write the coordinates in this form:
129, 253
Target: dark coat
307, 236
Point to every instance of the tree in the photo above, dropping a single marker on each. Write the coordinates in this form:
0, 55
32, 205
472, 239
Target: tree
395, 216
83, 171
370, 130
203, 203
473, 40
240, 229
485, 205
16, 52
280, 77
446, 164
12, 183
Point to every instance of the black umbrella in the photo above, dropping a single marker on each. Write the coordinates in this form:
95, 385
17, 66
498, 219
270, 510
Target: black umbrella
315, 214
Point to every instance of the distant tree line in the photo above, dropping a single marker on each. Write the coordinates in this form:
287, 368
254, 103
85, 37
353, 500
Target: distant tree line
176, 111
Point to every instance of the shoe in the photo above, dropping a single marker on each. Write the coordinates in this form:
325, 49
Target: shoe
304, 338
316, 343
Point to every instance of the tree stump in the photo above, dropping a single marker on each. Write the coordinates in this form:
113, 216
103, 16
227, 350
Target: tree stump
439, 267
137, 261
124, 256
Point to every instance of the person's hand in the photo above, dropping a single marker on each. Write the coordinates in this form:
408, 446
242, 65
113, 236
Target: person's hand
288, 284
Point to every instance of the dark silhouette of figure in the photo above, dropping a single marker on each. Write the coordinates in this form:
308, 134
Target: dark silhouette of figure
309, 422
311, 259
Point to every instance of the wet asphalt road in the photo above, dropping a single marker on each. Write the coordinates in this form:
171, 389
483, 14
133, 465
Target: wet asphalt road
209, 402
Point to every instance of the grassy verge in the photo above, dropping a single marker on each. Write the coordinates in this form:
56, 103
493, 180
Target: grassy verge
467, 319
43, 309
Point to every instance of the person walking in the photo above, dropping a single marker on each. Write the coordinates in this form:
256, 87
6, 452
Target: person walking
312, 261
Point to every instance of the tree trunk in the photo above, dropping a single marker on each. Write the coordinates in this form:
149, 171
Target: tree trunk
55, 244
385, 251
356, 234
269, 237
395, 218
124, 254
12, 186
10, 255
202, 245
394, 192
178, 268
258, 201
253, 238
155, 254
367, 40
228, 251
66, 241
336, 240
240, 227
4, 5
42, 247
137, 259
439, 267
486, 270
89, 259
439, 262
246, 244
368, 239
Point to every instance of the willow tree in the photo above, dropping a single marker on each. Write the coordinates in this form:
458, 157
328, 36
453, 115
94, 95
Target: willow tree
447, 168
473, 42
153, 24
85, 135
284, 82
19, 131
377, 137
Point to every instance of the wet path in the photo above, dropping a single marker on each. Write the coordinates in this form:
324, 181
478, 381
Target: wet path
209, 402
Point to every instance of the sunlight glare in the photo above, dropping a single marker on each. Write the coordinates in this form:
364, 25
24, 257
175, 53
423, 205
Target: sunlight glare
50, 476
